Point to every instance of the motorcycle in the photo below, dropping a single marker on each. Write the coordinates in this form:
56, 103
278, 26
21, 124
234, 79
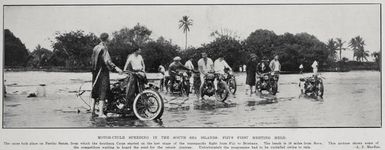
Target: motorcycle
230, 80
209, 89
268, 82
312, 86
181, 84
147, 105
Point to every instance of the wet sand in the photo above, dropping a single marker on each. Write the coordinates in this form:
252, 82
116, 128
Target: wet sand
351, 99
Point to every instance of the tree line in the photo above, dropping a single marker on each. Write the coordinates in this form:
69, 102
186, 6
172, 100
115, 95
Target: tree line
73, 49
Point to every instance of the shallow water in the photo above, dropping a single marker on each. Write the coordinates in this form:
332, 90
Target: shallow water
351, 99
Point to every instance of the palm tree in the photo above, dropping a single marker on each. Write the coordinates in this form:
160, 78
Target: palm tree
332, 47
361, 55
357, 44
377, 58
340, 46
185, 23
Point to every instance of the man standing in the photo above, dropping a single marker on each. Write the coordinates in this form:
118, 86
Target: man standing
251, 70
101, 65
162, 71
188, 64
275, 66
301, 69
315, 67
136, 65
205, 65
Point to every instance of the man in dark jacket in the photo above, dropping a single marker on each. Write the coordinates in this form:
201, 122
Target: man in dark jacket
101, 67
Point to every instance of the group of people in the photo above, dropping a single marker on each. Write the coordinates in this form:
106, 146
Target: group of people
314, 66
254, 68
102, 64
135, 66
205, 66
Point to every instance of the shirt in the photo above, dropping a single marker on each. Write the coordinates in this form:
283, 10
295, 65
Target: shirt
275, 65
219, 66
205, 66
162, 69
189, 65
300, 66
136, 62
314, 65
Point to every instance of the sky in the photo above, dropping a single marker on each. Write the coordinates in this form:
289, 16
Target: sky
38, 24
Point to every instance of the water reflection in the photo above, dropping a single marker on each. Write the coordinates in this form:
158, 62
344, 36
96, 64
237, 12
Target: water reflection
344, 104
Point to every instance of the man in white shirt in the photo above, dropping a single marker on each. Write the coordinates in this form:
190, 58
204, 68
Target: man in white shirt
134, 63
275, 67
315, 67
188, 64
162, 71
205, 65
219, 67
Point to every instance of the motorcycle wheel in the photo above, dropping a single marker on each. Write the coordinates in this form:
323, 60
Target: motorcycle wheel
232, 85
221, 94
148, 105
274, 88
320, 91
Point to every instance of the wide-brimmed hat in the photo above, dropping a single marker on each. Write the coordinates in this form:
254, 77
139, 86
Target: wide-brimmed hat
177, 58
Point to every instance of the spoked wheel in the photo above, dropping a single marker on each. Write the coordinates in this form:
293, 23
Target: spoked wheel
148, 105
320, 91
232, 85
221, 94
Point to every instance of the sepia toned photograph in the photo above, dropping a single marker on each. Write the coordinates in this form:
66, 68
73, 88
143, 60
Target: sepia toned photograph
192, 66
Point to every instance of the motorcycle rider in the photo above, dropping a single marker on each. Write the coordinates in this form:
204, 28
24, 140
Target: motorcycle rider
219, 68
205, 65
263, 66
135, 64
172, 69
